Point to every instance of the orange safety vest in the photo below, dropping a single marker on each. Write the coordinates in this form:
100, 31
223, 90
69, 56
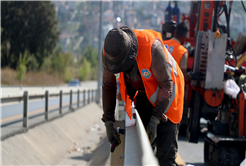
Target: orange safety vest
176, 49
144, 58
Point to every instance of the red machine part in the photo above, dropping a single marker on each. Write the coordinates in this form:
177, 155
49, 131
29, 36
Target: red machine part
190, 63
213, 97
241, 117
206, 15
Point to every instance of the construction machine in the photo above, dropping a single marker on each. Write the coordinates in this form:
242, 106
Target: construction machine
217, 90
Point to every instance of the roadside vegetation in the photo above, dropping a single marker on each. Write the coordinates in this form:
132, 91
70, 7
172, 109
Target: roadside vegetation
30, 50
56, 69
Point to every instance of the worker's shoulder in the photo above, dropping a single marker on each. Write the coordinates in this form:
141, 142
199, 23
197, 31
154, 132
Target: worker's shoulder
175, 44
181, 46
147, 35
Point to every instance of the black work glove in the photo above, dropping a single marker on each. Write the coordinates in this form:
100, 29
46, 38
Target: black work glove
152, 128
112, 134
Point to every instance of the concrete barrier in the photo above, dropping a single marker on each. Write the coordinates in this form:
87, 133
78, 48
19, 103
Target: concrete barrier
46, 144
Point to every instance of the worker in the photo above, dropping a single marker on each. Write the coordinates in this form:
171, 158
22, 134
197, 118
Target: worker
178, 51
149, 76
167, 30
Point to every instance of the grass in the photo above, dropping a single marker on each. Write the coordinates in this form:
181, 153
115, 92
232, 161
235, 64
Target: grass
9, 77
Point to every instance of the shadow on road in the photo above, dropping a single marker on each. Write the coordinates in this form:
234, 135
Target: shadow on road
101, 153
85, 157
182, 137
97, 157
182, 134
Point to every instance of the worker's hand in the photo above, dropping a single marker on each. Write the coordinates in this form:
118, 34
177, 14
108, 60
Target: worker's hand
112, 134
152, 128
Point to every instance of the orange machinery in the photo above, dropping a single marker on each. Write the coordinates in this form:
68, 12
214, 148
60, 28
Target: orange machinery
225, 141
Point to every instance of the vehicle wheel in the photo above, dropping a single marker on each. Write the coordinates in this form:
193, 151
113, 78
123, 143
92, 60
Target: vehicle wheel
193, 118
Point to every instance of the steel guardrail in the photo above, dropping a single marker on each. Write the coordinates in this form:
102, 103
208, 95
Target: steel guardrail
44, 93
16, 93
138, 150
137, 147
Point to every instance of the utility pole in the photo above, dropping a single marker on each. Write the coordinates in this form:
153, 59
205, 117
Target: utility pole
99, 57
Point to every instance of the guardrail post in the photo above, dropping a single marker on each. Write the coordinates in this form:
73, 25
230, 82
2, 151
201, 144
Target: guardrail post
78, 100
60, 108
25, 109
89, 96
71, 99
84, 98
46, 105
96, 98
92, 95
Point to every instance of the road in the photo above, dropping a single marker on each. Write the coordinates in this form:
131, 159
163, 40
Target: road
191, 153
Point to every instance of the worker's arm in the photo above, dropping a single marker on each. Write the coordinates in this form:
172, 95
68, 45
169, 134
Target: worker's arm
161, 72
109, 102
108, 94
183, 67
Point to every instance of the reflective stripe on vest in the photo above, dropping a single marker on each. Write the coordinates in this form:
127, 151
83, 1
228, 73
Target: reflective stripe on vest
153, 98
172, 65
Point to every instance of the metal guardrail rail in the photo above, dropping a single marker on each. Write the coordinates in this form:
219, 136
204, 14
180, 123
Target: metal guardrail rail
15, 94
45, 93
135, 148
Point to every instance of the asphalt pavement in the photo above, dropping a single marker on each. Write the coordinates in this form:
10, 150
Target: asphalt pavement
191, 153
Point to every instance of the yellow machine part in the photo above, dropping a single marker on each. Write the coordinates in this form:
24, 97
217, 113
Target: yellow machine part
241, 59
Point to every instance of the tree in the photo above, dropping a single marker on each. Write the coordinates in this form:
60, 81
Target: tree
91, 55
27, 25
84, 70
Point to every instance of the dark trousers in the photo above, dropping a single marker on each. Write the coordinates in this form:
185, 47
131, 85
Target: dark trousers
167, 133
